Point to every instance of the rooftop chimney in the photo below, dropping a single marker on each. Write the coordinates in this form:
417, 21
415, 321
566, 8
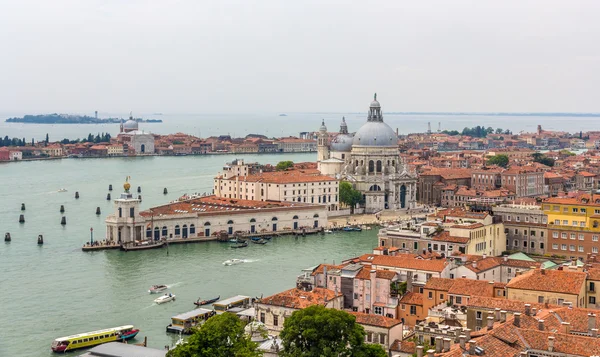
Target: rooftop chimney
419, 351
490, 322
517, 321
541, 325
543, 271
506, 258
550, 343
463, 341
503, 316
497, 313
438, 344
591, 321
528, 309
594, 332
430, 353
446, 344
467, 333
533, 311
484, 256
472, 345
474, 264
565, 327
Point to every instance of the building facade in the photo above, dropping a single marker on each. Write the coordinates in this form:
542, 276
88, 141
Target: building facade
370, 160
525, 226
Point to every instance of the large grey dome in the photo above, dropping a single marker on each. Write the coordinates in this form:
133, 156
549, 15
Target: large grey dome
342, 142
375, 133
131, 125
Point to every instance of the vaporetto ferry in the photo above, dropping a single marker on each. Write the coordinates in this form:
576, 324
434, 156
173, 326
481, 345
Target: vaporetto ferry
94, 338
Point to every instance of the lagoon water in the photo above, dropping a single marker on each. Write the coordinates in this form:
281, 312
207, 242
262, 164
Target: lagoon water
56, 289
273, 125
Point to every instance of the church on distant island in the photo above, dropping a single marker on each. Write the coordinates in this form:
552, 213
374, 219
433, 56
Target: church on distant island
370, 160
135, 141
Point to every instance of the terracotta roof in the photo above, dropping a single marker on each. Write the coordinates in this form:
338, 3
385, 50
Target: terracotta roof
320, 268
412, 299
491, 303
446, 237
581, 199
443, 284
492, 262
470, 287
375, 320
558, 281
449, 173
283, 177
405, 346
468, 226
459, 212
593, 274
403, 261
385, 274
300, 299
212, 204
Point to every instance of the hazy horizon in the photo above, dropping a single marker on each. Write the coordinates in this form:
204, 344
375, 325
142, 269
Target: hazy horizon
72, 56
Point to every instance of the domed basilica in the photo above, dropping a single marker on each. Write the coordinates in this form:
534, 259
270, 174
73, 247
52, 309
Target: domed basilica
370, 160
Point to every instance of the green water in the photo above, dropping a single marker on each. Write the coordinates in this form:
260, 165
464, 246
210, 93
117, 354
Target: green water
56, 289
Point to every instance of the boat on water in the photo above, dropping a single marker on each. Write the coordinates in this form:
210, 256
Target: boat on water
142, 246
352, 229
62, 190
206, 302
267, 237
93, 338
233, 261
240, 245
259, 241
165, 298
155, 289
328, 231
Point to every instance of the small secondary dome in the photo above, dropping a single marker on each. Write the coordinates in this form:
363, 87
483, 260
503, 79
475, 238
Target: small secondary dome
342, 142
323, 128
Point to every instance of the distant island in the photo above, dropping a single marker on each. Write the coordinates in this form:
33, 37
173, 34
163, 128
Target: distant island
72, 119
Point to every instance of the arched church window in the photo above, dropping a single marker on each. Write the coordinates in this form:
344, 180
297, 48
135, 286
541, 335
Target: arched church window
371, 166
378, 165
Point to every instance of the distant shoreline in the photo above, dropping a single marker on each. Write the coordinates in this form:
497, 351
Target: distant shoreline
580, 115
72, 119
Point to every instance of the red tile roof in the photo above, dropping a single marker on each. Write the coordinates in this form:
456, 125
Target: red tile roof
283, 177
442, 284
375, 320
558, 281
470, 287
300, 299
411, 298
407, 262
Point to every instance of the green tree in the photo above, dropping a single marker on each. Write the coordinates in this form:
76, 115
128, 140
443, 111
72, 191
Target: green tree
320, 332
349, 196
567, 152
221, 336
500, 160
542, 159
284, 165
499, 131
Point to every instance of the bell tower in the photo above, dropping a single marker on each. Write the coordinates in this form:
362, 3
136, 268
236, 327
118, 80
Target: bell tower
323, 143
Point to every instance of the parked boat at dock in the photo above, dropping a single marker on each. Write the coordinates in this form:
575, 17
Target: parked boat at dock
184, 323
352, 229
142, 246
233, 261
240, 245
165, 298
259, 241
155, 289
206, 302
93, 338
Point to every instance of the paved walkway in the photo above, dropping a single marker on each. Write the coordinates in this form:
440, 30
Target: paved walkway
386, 216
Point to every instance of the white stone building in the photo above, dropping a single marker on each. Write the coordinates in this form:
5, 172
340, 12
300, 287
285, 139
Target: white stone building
370, 160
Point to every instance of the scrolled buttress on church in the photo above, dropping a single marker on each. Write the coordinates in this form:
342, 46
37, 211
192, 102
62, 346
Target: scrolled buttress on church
370, 160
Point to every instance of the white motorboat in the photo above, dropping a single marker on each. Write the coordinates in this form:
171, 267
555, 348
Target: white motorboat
155, 289
165, 298
62, 190
328, 231
233, 262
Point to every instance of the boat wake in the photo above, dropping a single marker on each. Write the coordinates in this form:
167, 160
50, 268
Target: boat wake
250, 260
169, 286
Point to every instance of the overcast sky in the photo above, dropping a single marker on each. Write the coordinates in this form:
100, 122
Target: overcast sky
193, 56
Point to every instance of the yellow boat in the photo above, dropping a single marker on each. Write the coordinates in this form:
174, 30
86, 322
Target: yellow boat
94, 338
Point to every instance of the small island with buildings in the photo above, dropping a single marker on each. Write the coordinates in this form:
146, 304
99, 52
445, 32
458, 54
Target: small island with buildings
72, 119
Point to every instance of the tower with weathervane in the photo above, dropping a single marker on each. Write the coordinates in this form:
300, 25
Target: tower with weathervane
323, 143
125, 225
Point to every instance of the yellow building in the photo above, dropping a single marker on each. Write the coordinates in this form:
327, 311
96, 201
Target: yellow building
556, 287
573, 225
114, 150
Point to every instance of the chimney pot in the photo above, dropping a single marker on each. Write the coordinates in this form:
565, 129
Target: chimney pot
419, 351
594, 332
550, 343
497, 314
503, 316
591, 321
446, 344
506, 258
565, 327
527, 309
490, 322
543, 271
533, 311
430, 353
467, 332
541, 325
517, 321
438, 344
463, 341
472, 345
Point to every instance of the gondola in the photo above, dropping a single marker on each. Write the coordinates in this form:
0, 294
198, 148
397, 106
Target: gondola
206, 302
260, 241
240, 245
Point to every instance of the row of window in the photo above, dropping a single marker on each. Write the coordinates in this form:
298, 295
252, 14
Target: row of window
572, 248
532, 232
527, 219
573, 210
532, 244
581, 236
